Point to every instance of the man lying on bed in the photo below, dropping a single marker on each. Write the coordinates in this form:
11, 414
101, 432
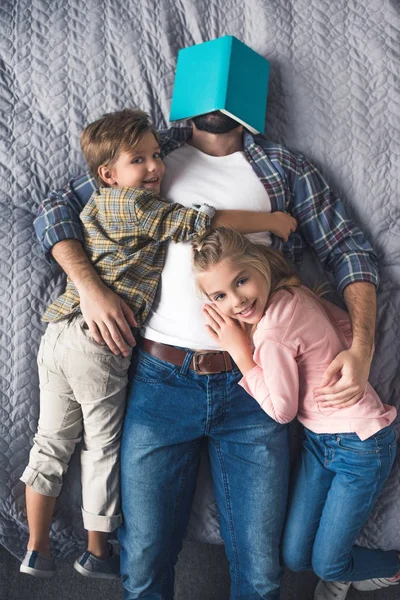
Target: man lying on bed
185, 388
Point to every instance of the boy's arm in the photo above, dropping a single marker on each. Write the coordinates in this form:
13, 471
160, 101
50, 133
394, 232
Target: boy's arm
163, 221
246, 221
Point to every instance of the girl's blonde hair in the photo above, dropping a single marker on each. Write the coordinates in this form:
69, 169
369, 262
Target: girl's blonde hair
224, 243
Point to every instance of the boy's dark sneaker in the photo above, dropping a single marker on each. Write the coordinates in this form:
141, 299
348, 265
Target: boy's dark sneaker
89, 565
37, 565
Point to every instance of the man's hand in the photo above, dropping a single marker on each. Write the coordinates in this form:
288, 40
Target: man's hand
231, 335
106, 314
108, 318
282, 225
351, 370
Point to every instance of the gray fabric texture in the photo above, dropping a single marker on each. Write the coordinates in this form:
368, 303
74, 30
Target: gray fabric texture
334, 95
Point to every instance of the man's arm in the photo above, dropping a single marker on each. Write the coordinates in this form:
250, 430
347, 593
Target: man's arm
344, 251
106, 314
59, 231
58, 216
353, 365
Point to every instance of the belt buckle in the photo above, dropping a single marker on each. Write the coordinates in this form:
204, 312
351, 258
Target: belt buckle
196, 357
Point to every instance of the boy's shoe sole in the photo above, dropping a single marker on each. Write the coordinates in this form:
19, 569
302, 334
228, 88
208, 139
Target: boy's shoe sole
36, 572
37, 566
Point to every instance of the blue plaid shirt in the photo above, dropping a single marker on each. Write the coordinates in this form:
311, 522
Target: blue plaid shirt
293, 184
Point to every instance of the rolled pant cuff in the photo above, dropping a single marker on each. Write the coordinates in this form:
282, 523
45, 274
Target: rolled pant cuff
100, 522
40, 484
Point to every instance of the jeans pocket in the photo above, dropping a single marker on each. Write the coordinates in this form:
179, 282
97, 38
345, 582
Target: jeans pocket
83, 328
384, 433
352, 443
152, 370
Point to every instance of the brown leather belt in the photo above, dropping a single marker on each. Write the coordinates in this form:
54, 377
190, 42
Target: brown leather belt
204, 362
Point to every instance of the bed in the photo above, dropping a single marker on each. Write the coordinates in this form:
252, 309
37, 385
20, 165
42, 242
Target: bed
334, 95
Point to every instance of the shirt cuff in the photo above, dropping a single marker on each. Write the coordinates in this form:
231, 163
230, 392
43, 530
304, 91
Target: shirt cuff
205, 208
246, 379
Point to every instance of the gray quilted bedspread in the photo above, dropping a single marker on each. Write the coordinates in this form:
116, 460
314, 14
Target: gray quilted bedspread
334, 95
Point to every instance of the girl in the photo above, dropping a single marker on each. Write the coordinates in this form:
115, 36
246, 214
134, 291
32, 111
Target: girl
348, 450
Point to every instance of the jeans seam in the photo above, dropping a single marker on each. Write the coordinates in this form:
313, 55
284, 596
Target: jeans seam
230, 520
362, 520
207, 426
65, 419
173, 530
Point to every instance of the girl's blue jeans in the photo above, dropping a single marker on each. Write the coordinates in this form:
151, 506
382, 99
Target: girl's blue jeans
336, 483
169, 411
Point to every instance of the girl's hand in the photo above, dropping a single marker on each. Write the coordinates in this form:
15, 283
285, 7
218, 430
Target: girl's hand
231, 335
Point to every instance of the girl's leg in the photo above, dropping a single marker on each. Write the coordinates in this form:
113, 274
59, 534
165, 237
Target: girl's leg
361, 469
310, 483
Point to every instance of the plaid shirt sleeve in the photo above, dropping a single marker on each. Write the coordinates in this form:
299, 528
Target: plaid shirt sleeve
58, 217
339, 244
121, 217
162, 221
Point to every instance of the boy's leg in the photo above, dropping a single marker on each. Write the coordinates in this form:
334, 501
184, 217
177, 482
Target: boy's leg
249, 455
98, 380
159, 463
59, 430
361, 469
39, 512
309, 487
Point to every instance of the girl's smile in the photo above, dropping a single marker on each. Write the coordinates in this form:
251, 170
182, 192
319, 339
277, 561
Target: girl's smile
238, 291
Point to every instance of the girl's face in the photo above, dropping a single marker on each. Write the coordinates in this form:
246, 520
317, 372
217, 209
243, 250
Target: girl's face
238, 291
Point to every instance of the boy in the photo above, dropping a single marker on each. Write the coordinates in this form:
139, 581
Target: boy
82, 383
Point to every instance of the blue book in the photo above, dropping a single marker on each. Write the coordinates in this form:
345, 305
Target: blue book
222, 74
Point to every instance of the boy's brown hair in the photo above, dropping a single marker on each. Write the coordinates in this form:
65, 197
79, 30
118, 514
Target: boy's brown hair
103, 140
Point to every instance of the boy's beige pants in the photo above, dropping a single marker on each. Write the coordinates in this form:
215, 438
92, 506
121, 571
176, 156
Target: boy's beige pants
82, 395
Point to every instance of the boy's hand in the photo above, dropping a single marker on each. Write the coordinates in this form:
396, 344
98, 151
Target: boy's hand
231, 335
282, 225
108, 318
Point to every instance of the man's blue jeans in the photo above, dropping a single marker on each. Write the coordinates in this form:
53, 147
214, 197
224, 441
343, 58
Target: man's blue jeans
169, 410
335, 486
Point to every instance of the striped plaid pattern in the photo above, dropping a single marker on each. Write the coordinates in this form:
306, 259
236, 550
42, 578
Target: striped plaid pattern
293, 184
124, 230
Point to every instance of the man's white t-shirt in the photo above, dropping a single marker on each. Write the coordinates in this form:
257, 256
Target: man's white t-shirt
192, 177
